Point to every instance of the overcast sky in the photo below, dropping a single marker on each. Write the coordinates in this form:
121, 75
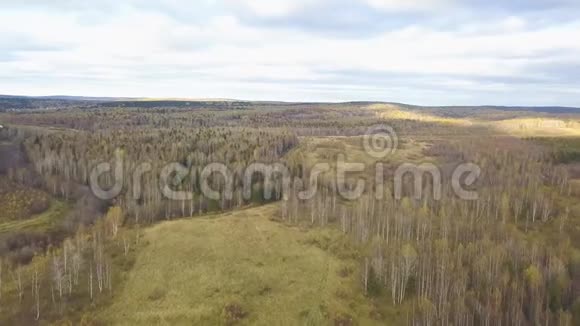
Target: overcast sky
431, 52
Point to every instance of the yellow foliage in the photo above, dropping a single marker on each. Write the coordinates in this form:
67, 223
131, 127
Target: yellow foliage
114, 219
533, 276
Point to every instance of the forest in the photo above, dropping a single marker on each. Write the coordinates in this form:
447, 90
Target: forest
511, 256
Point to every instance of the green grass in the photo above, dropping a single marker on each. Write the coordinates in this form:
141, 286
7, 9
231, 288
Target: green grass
40, 222
197, 271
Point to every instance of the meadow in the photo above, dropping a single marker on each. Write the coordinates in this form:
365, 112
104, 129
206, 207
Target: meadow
244, 267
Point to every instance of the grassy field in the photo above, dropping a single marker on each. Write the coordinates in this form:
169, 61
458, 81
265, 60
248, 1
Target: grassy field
538, 127
528, 124
243, 267
396, 112
40, 222
313, 150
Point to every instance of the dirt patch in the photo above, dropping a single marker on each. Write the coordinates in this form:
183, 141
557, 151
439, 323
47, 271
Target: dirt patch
265, 290
234, 313
345, 272
344, 320
157, 294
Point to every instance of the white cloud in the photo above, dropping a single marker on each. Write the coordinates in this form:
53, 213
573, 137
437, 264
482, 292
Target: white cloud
273, 8
409, 5
146, 52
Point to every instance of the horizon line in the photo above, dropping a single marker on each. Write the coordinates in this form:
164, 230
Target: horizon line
225, 99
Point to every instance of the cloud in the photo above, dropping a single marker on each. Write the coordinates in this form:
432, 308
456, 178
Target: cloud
489, 53
409, 5
272, 8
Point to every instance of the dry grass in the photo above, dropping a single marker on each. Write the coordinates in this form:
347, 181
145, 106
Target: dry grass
532, 125
395, 112
40, 222
241, 268
538, 127
313, 150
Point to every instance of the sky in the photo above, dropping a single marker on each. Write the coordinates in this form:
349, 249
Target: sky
430, 52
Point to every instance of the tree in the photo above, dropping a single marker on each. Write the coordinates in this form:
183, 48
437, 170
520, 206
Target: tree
408, 261
1, 266
113, 220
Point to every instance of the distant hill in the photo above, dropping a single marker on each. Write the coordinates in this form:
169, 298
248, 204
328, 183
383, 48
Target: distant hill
83, 98
15, 102
538, 109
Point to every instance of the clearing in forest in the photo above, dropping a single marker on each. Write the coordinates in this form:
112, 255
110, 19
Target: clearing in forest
243, 267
